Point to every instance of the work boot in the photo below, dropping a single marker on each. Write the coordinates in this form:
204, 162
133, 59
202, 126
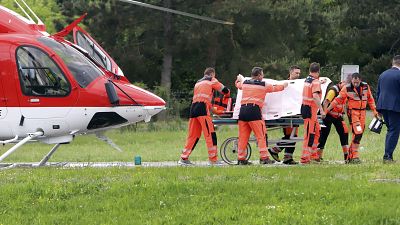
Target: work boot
215, 163
244, 162
266, 161
289, 161
274, 153
355, 161
185, 162
388, 161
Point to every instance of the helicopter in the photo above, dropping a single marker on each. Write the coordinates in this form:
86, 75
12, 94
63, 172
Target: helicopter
52, 89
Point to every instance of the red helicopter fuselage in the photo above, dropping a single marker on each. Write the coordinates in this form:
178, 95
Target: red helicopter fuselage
61, 88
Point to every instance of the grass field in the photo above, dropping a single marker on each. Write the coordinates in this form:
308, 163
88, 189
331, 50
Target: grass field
368, 193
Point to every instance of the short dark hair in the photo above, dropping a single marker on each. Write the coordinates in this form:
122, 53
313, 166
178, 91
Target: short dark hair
294, 67
209, 71
256, 71
314, 67
396, 60
355, 76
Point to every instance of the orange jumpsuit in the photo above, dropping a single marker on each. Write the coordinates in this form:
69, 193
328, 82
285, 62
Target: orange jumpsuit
200, 119
250, 117
309, 110
357, 99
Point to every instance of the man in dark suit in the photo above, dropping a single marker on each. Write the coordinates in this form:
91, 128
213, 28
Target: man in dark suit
388, 95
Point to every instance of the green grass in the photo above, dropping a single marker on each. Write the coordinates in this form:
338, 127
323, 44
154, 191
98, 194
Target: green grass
315, 194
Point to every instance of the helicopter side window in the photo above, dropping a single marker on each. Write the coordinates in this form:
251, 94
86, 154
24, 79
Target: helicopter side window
83, 70
93, 50
39, 74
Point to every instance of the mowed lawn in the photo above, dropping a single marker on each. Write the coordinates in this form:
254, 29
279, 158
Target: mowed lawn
368, 193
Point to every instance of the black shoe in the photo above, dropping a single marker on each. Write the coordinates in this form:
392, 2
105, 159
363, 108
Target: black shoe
274, 155
244, 162
355, 161
388, 161
345, 155
289, 161
266, 161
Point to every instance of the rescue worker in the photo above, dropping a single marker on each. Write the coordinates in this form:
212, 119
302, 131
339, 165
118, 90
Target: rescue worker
294, 73
250, 116
357, 94
335, 117
200, 119
309, 108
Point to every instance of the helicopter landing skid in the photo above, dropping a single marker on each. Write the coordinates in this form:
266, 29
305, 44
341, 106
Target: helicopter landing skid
20, 143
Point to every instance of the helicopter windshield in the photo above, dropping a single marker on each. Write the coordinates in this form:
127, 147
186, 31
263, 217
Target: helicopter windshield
83, 70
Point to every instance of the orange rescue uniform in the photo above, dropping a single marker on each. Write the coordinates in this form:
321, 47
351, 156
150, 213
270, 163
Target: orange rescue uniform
250, 116
357, 99
309, 110
200, 119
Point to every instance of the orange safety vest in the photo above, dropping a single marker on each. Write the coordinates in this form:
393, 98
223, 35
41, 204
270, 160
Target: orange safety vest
254, 91
337, 110
356, 101
203, 90
311, 86
222, 104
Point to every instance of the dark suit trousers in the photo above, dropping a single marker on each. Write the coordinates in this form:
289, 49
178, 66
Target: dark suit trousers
392, 120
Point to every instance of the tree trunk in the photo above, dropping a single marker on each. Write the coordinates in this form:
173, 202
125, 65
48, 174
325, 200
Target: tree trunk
167, 58
212, 49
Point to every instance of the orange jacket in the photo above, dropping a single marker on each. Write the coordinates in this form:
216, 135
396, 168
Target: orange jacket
311, 86
355, 100
203, 90
254, 91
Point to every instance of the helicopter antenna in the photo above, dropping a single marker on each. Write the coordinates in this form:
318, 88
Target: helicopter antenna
23, 10
39, 21
177, 12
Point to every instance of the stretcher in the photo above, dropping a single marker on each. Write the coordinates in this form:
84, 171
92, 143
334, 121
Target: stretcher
228, 149
281, 110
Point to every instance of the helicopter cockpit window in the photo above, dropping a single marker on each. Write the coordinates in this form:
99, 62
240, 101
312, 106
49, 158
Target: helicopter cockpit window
39, 74
83, 70
94, 51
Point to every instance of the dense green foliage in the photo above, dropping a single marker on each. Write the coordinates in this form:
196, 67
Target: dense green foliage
272, 34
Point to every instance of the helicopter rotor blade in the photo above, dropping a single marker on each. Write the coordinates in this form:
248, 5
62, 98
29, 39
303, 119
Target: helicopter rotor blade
177, 12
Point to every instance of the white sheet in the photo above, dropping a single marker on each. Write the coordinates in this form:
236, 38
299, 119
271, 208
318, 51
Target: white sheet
282, 103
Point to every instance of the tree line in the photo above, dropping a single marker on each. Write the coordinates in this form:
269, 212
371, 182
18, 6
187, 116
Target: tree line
168, 53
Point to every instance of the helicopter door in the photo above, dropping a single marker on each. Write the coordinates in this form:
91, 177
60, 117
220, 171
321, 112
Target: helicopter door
85, 41
45, 90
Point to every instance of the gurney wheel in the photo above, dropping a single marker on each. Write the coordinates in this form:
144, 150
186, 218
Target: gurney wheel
229, 150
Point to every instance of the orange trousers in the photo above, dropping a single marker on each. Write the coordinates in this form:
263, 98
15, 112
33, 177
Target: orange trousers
196, 126
357, 123
260, 131
311, 137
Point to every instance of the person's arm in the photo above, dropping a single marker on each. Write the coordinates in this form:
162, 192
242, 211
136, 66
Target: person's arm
339, 100
317, 101
378, 89
218, 86
275, 88
328, 99
316, 90
371, 102
239, 81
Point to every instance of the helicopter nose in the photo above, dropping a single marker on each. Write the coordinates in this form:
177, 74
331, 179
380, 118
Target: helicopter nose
146, 98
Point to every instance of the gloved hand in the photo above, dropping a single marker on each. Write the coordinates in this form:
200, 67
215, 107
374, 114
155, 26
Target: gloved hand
240, 78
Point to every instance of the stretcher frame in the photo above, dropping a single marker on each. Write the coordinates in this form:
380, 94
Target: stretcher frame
228, 149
